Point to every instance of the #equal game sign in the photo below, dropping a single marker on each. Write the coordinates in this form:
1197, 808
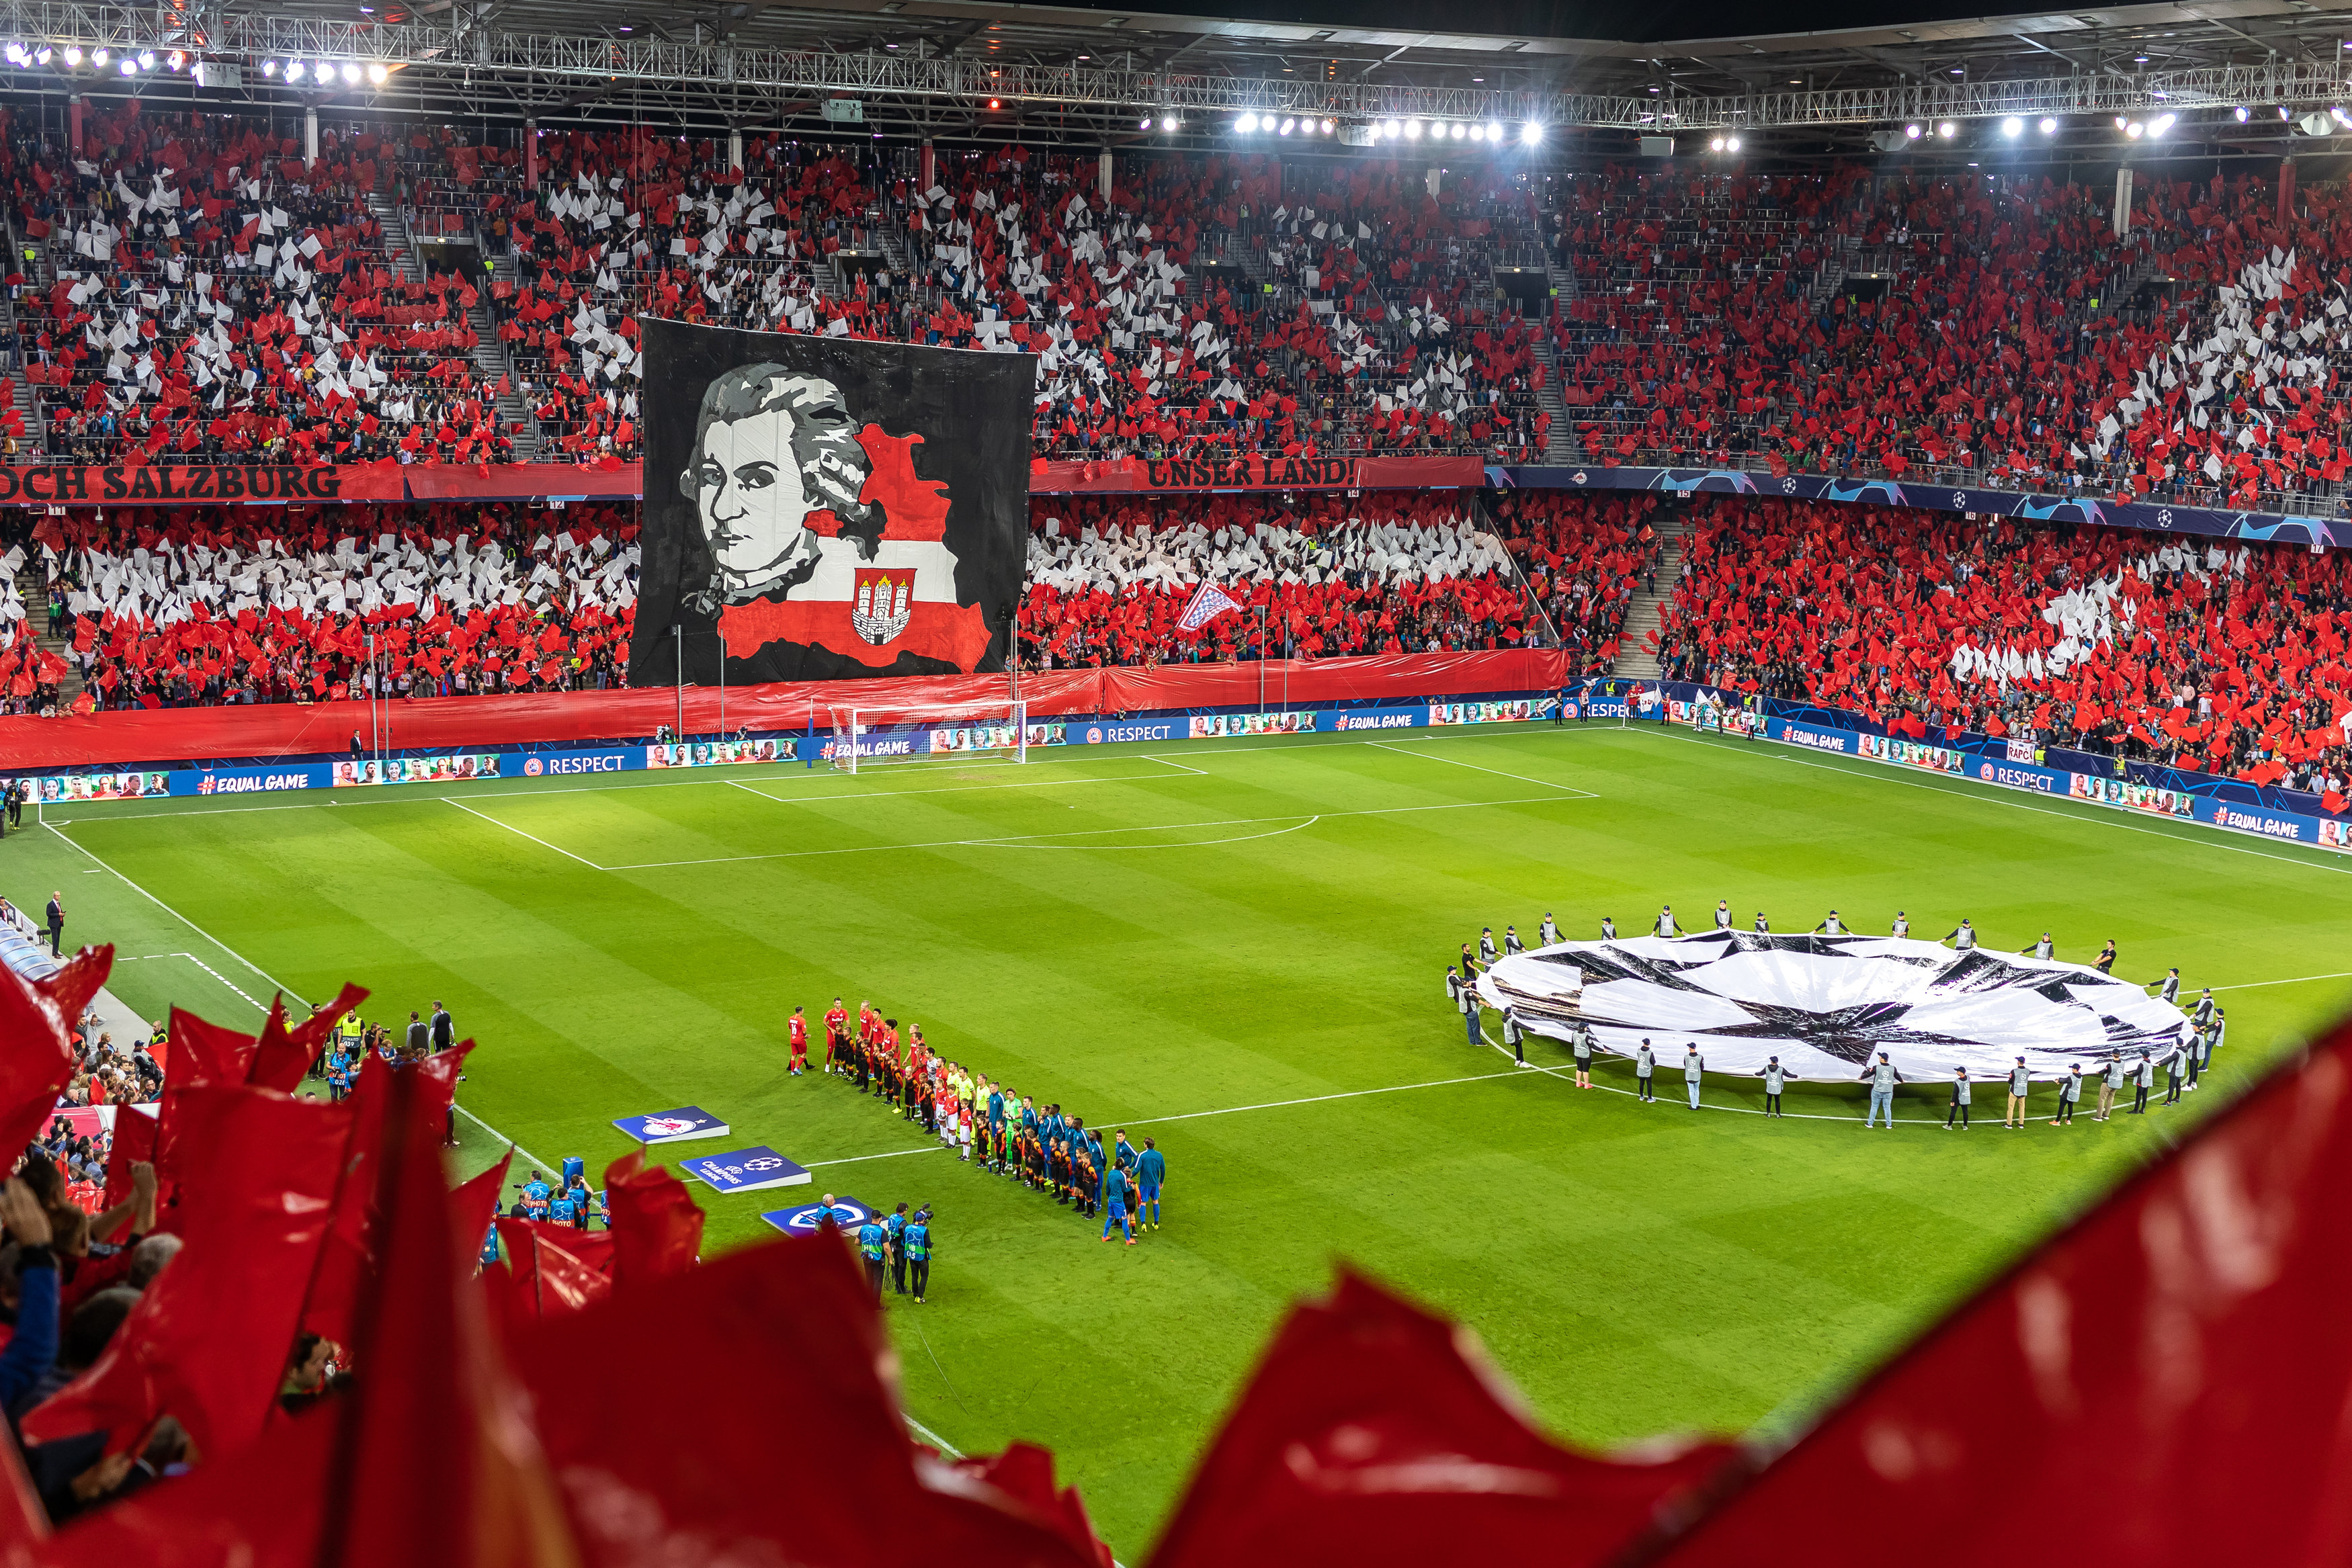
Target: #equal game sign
745, 1170
682, 1125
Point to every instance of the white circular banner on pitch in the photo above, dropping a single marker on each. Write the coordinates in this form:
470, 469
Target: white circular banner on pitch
1828, 1005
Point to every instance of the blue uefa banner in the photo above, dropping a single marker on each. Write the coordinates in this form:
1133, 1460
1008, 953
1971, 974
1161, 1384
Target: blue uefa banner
849, 1214
683, 1126
754, 1169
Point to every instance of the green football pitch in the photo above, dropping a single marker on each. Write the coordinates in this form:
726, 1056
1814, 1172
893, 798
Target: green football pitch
1237, 948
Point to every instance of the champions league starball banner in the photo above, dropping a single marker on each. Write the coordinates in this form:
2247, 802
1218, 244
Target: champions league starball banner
828, 507
1826, 1006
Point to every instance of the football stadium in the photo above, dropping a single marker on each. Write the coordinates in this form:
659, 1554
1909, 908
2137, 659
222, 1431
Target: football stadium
833, 784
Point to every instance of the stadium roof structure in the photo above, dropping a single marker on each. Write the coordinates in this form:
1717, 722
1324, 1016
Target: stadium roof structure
1090, 72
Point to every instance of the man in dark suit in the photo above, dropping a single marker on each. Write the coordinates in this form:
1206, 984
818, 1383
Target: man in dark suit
444, 1031
57, 924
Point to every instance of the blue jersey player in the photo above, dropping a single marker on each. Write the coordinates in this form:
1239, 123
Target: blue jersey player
1151, 1175
1114, 1201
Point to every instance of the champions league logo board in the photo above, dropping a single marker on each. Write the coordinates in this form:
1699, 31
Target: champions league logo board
1826, 1006
849, 1214
753, 1169
683, 1126
829, 508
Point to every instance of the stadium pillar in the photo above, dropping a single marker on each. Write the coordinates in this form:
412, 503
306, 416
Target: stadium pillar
2286, 189
735, 150
310, 137
1434, 175
73, 113
927, 168
531, 154
1102, 173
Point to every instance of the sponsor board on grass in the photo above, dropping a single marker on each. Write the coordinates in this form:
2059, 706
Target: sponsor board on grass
754, 1169
849, 1214
683, 1126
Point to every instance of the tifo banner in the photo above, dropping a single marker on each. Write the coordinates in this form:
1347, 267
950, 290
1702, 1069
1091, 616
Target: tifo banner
829, 508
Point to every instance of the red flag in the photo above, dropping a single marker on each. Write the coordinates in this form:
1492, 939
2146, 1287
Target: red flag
347, 1260
438, 1459
544, 1275
1369, 1435
476, 1199
2145, 1338
689, 1468
282, 1057
36, 1020
134, 1143
208, 1340
207, 1053
657, 1227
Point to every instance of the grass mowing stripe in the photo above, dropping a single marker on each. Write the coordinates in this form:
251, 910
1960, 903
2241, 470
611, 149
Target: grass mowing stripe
1457, 762
511, 828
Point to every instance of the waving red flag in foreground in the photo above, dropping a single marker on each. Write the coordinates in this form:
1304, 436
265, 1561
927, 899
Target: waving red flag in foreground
282, 1057
1374, 1433
36, 1017
208, 1339
2169, 1382
698, 1473
655, 1218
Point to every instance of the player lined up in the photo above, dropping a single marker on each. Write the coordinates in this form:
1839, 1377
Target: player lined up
1043, 1147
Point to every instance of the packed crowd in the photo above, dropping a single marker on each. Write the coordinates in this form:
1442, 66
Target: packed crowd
199, 295
989, 1124
2225, 658
199, 607
1971, 326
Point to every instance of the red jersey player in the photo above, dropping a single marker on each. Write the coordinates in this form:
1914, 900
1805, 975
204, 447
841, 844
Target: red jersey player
836, 1035
799, 1043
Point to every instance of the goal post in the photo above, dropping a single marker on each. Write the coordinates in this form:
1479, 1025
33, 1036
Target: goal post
866, 737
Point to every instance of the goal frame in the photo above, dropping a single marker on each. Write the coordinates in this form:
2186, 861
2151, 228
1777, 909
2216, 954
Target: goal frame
851, 723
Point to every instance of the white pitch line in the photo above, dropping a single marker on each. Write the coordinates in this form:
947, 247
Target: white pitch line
534, 838
1137, 828
1192, 844
291, 994
892, 1155
207, 969
933, 1439
2298, 980
1311, 1100
2094, 816
1422, 751
529, 1159
959, 788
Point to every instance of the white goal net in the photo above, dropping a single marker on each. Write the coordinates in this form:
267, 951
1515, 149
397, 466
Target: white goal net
865, 736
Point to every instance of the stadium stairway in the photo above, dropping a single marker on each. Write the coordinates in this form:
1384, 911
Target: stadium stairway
1637, 644
496, 365
397, 249
33, 587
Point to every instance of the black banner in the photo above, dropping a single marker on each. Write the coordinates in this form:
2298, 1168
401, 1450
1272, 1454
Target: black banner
826, 507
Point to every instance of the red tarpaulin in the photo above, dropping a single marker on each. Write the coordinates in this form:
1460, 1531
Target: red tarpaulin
455, 723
